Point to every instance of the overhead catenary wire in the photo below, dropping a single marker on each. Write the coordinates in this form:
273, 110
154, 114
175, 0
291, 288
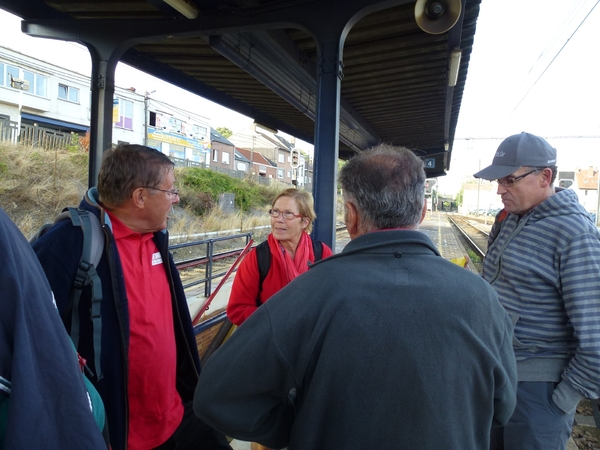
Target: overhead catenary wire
555, 56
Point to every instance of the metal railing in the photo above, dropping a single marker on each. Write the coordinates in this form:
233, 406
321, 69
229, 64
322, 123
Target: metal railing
211, 332
205, 251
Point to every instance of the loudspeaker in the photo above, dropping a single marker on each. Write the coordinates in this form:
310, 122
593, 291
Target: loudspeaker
437, 16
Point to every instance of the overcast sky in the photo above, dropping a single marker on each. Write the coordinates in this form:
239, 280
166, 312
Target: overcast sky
535, 67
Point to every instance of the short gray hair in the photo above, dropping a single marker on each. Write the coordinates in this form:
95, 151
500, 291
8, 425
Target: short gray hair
127, 167
387, 186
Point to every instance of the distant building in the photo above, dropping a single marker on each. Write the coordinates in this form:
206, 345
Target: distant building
584, 183
44, 94
222, 152
479, 198
57, 99
275, 149
259, 165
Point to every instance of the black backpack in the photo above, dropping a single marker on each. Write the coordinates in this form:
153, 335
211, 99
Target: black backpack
263, 257
93, 247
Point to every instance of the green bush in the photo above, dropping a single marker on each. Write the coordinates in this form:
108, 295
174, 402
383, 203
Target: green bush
195, 183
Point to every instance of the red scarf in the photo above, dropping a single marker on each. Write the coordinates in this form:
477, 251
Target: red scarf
297, 266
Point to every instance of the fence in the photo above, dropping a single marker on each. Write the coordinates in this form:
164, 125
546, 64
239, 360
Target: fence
34, 135
44, 137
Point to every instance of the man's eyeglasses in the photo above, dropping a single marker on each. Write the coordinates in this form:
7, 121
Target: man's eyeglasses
511, 181
171, 192
288, 215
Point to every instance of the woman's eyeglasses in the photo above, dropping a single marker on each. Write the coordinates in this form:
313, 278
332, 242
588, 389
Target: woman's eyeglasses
288, 215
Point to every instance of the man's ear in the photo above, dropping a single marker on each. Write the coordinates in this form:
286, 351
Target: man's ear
138, 198
547, 176
351, 218
424, 212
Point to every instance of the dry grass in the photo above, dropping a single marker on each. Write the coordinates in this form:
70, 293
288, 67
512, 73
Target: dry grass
36, 184
184, 222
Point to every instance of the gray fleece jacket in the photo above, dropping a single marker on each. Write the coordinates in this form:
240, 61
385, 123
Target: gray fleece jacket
545, 267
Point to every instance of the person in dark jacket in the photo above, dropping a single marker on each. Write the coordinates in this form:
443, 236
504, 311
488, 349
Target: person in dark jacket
385, 345
149, 358
43, 399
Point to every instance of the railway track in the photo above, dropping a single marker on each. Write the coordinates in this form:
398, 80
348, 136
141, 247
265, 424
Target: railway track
473, 233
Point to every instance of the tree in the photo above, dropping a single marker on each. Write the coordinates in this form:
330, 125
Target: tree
225, 132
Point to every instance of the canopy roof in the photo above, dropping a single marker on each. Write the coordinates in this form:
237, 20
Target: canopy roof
260, 58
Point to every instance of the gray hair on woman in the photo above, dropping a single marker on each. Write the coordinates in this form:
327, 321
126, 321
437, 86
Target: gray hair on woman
387, 186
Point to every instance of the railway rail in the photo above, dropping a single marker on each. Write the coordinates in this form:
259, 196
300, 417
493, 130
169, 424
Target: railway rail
474, 235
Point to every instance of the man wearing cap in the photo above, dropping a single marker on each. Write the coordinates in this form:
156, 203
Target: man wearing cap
545, 265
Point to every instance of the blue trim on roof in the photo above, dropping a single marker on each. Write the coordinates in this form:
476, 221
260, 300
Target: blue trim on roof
58, 123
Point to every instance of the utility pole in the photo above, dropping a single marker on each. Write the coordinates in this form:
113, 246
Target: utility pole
252, 157
146, 115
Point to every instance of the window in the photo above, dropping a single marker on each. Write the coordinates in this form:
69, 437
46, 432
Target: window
30, 78
68, 93
174, 125
281, 158
280, 173
11, 72
262, 169
124, 114
241, 166
225, 158
41, 84
289, 174
37, 84
199, 132
215, 155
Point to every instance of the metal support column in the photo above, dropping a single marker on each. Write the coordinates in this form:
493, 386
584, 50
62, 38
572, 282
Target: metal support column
327, 126
104, 63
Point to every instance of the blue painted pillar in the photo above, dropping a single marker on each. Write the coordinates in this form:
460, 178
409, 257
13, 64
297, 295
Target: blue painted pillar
327, 127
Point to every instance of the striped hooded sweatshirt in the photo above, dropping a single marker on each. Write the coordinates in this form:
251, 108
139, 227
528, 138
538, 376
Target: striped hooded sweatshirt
545, 267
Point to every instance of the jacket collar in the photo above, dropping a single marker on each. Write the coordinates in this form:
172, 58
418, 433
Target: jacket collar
383, 238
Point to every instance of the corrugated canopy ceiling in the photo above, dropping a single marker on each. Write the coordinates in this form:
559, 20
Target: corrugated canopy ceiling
259, 57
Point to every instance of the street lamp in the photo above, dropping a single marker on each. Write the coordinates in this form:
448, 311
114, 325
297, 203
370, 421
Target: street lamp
21, 85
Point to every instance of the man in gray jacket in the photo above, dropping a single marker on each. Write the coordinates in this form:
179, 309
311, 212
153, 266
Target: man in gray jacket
544, 263
384, 346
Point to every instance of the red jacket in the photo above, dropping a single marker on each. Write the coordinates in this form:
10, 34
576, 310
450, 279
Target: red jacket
242, 300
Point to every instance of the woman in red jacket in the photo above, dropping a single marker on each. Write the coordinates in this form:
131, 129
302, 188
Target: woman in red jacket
291, 248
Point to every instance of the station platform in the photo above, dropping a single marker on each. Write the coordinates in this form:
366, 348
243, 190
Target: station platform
437, 227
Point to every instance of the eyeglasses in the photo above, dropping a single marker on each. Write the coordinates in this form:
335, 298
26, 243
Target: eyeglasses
171, 192
511, 181
288, 215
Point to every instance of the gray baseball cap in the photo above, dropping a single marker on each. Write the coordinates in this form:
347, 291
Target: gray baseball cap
516, 151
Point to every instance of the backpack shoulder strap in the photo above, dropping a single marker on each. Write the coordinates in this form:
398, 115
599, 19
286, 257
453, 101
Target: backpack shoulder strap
495, 230
263, 258
93, 247
317, 249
